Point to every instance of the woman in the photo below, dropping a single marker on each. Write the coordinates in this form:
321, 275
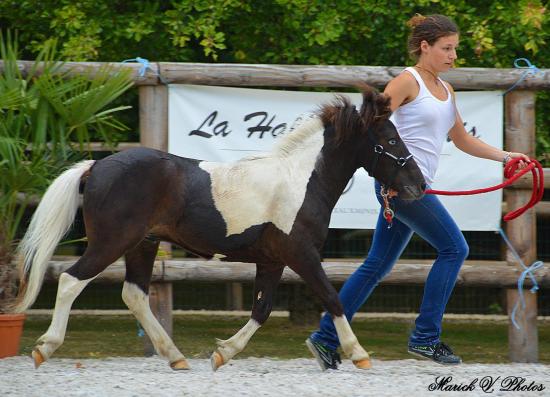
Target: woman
424, 114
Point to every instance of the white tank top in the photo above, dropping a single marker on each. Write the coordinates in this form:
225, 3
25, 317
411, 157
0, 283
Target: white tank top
424, 124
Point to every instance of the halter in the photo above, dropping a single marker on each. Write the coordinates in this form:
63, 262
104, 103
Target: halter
384, 192
400, 161
379, 150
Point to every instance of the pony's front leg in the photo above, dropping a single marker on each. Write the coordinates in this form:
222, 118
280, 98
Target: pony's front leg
138, 303
314, 275
267, 278
350, 345
139, 267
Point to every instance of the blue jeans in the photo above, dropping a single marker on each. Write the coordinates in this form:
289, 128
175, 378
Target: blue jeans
431, 221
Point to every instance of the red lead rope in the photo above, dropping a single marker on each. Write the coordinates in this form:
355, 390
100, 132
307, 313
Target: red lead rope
510, 174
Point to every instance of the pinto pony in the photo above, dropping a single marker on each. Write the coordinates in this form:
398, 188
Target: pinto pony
272, 210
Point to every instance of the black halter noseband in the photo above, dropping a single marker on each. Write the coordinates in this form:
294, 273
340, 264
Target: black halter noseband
378, 151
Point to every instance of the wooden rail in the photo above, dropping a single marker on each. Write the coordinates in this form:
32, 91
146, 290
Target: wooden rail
303, 75
472, 273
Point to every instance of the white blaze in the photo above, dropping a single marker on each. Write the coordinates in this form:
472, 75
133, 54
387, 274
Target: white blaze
269, 188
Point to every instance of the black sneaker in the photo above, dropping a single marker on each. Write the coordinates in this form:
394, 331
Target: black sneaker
327, 359
438, 352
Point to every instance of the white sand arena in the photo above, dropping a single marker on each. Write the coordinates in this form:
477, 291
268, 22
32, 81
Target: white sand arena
140, 376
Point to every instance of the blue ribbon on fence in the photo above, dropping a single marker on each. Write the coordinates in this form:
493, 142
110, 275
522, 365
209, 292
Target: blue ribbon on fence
145, 65
530, 70
528, 271
141, 332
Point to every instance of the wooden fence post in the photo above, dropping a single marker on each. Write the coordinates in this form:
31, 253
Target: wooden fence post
234, 296
304, 307
153, 116
160, 300
153, 127
520, 137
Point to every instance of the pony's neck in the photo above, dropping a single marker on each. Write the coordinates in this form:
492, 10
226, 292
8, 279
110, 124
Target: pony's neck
336, 168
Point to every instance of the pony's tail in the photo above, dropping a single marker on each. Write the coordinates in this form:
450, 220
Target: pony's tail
52, 219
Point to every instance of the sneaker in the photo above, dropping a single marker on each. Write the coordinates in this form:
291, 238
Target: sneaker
438, 352
326, 358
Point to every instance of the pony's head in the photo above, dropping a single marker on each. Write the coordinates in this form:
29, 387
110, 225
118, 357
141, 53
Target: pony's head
374, 141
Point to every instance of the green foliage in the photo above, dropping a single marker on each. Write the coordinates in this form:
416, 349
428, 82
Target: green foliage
365, 32
343, 32
277, 31
48, 111
46, 117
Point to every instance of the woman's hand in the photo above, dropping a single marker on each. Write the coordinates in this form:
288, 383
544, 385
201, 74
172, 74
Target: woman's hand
513, 155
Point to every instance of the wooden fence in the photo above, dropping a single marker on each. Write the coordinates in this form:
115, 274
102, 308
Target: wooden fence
519, 136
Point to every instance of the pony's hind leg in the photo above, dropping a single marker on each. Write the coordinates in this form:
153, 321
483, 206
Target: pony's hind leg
68, 289
70, 285
313, 274
267, 278
102, 250
139, 266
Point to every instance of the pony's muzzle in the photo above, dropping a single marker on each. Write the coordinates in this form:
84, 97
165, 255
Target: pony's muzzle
413, 192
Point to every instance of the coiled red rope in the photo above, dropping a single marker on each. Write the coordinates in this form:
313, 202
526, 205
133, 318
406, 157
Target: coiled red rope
511, 176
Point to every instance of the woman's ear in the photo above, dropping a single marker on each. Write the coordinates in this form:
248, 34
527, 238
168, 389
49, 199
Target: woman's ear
424, 46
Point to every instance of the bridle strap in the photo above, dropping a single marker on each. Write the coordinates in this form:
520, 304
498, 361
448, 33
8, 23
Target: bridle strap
378, 151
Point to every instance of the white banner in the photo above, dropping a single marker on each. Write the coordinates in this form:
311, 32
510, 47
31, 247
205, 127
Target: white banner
224, 124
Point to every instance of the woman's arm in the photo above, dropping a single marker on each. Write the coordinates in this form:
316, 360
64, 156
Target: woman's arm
402, 89
475, 146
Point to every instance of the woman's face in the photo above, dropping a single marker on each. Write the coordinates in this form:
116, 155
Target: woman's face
441, 55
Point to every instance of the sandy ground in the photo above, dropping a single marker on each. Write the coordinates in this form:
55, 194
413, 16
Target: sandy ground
264, 377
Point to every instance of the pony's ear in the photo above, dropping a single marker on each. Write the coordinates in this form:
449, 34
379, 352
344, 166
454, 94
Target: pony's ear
383, 107
375, 107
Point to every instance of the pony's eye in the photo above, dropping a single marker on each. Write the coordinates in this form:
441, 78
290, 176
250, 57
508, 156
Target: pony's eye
392, 142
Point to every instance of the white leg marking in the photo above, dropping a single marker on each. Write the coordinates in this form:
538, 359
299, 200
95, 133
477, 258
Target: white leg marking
138, 303
230, 347
350, 345
68, 289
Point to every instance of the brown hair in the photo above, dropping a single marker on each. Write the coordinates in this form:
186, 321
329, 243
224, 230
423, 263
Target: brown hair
429, 28
345, 118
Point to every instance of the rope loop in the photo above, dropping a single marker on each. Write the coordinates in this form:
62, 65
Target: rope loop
145, 65
527, 271
143, 62
530, 70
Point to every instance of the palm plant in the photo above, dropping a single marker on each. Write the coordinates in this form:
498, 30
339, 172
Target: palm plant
47, 118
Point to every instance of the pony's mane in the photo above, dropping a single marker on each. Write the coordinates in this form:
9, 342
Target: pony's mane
341, 114
345, 118
295, 138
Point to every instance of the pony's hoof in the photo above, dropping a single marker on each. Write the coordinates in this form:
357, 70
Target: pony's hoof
363, 364
37, 357
180, 365
216, 360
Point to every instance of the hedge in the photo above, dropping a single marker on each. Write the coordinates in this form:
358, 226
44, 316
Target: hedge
344, 32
